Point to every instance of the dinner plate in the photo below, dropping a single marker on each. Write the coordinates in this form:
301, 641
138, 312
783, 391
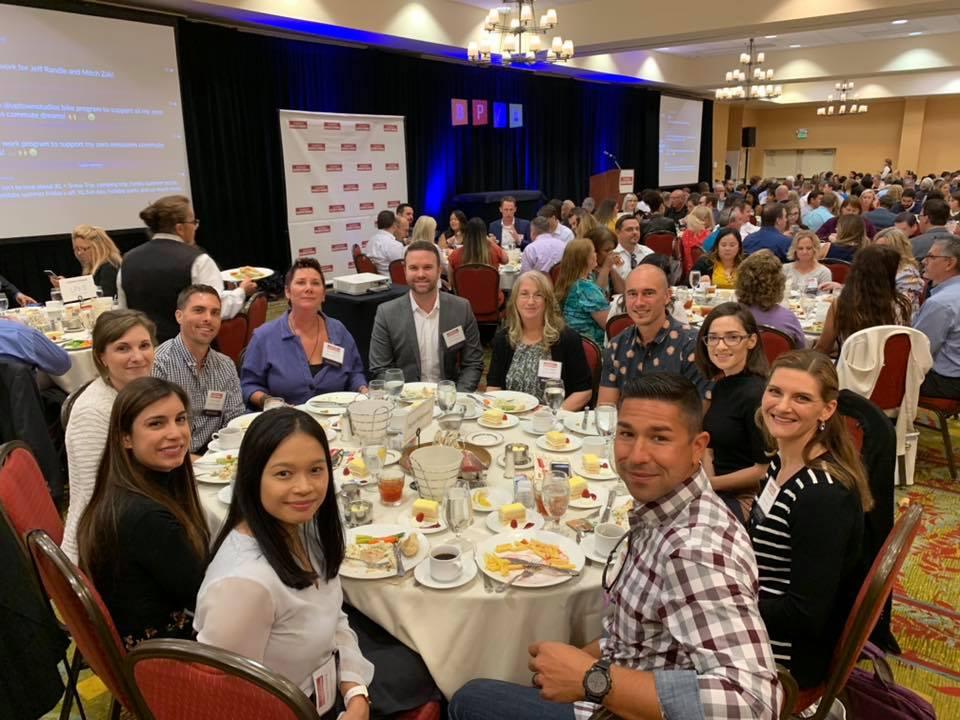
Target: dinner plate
582, 503
607, 473
523, 401
317, 410
418, 391
237, 275
225, 495
338, 398
545, 578
484, 438
494, 525
573, 422
424, 526
574, 444
242, 422
422, 573
511, 421
210, 468
358, 571
496, 497
620, 514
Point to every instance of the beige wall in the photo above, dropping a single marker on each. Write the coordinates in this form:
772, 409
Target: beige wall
940, 149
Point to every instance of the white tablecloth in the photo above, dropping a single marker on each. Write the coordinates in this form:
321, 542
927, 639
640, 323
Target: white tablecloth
82, 370
466, 633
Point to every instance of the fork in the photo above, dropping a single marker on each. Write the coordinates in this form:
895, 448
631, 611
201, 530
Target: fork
487, 583
399, 558
503, 587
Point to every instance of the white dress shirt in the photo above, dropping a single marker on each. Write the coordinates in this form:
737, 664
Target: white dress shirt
748, 228
564, 233
383, 249
428, 339
639, 253
204, 271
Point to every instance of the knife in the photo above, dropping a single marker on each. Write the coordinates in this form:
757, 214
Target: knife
540, 566
605, 515
583, 421
399, 559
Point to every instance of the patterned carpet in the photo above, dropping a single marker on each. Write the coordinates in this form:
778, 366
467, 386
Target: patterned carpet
926, 607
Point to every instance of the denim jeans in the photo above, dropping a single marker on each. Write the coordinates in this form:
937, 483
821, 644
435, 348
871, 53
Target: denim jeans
496, 700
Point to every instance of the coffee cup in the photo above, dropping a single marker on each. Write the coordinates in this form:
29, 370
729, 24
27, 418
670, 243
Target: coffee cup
542, 421
595, 446
445, 563
228, 438
606, 536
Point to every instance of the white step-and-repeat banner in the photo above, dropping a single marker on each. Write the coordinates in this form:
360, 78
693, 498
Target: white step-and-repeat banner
340, 171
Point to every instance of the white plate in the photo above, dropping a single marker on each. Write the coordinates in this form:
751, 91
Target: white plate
207, 468
497, 497
607, 473
340, 398
425, 526
414, 391
539, 579
572, 422
484, 438
510, 422
242, 422
527, 402
358, 571
262, 273
582, 503
574, 444
589, 547
526, 424
422, 573
225, 495
214, 446
472, 410
502, 462
318, 411
494, 524
621, 519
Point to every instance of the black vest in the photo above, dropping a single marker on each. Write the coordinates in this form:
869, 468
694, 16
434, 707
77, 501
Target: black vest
152, 275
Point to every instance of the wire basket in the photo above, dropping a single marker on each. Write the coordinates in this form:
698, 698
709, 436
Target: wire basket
436, 469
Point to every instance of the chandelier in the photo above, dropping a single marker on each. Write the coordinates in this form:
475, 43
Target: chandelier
750, 80
844, 108
520, 36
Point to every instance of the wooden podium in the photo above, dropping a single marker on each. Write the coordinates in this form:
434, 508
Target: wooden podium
607, 185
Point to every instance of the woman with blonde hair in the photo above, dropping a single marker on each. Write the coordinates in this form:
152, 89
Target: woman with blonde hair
582, 222
606, 213
804, 268
699, 224
629, 204
534, 330
97, 255
424, 229
585, 308
909, 280
760, 286
851, 235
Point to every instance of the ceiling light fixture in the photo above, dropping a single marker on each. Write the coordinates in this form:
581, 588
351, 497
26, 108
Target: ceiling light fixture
794, 47
844, 108
899, 22
520, 34
770, 37
915, 33
751, 80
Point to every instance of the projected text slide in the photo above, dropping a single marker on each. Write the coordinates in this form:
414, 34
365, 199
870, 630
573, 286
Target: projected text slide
679, 157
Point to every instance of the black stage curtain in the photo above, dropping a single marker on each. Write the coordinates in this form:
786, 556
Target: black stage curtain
233, 83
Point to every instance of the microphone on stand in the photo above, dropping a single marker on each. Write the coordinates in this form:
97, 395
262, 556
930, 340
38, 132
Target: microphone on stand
614, 158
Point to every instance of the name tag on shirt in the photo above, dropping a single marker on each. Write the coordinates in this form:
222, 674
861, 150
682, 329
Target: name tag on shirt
325, 685
333, 354
549, 369
767, 498
213, 404
454, 337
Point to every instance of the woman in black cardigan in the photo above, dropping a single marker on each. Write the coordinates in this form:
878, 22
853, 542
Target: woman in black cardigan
534, 332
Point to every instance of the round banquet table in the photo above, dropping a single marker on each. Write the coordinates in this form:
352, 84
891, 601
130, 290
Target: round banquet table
466, 633
82, 370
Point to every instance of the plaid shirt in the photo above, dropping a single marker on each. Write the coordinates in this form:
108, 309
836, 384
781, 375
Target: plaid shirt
685, 608
174, 362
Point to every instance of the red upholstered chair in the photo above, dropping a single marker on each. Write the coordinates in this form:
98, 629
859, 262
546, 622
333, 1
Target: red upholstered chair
662, 243
864, 614
429, 711
356, 250
944, 409
82, 610
595, 362
186, 680
839, 269
616, 324
480, 285
256, 311
232, 338
364, 264
24, 498
775, 342
398, 275
555, 273
790, 690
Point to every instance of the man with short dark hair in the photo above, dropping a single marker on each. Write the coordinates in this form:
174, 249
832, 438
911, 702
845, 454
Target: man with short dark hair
384, 247
516, 231
770, 236
208, 377
908, 201
655, 221
545, 250
882, 216
550, 212
629, 249
939, 318
405, 211
932, 220
907, 223
684, 639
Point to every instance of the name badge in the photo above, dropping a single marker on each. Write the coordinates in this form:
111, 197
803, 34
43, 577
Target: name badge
767, 498
213, 405
325, 685
549, 369
454, 337
333, 354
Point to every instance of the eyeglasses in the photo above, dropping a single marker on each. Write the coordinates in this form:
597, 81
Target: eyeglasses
614, 559
195, 222
731, 340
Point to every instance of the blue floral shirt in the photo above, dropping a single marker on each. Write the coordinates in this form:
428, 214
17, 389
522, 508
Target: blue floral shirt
584, 299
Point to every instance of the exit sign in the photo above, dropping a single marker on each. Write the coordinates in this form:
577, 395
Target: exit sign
802, 133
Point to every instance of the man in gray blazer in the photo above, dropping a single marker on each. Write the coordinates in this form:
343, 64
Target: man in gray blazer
430, 335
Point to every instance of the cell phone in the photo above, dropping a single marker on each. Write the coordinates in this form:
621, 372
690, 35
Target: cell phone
560, 467
51, 273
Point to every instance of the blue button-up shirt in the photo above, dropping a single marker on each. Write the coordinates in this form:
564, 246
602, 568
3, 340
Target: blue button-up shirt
30, 346
276, 364
768, 238
939, 320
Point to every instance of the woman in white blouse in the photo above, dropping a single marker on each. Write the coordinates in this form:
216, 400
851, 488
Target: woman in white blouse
271, 592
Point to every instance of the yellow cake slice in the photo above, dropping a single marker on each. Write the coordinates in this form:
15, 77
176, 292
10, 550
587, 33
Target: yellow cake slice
577, 486
513, 511
557, 439
591, 463
358, 467
430, 509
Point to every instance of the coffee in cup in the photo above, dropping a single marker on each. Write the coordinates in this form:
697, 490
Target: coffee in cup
445, 563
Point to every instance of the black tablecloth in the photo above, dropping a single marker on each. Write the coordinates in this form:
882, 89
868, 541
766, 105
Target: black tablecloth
357, 313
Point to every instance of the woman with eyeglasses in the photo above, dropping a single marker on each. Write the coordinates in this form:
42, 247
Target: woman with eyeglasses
729, 353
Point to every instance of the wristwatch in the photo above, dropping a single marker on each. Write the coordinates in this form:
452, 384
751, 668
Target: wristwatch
597, 682
353, 692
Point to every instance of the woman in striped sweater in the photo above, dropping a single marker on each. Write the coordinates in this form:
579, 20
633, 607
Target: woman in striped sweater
807, 524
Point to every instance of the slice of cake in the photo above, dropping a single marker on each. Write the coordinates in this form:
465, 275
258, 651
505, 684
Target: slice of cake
591, 463
557, 440
493, 416
426, 510
577, 486
513, 511
358, 467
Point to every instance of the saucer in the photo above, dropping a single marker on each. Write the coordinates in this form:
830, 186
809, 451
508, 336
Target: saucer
526, 424
422, 573
511, 421
495, 526
588, 546
574, 443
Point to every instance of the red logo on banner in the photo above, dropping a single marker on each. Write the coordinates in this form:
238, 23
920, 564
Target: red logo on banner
331, 126
337, 208
351, 187
393, 203
355, 226
378, 147
297, 124
319, 188
367, 206
338, 247
317, 146
327, 268
334, 167
393, 166
321, 229
307, 251
304, 210
391, 128
363, 245
363, 126
364, 167
348, 146
350, 265
379, 186
301, 168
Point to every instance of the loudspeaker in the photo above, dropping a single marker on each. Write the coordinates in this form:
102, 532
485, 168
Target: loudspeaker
748, 137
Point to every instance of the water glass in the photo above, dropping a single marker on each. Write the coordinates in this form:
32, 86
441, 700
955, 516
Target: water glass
375, 390
458, 512
446, 395
373, 457
694, 279
555, 495
273, 402
393, 384
391, 487
99, 290
554, 395
4, 304
606, 418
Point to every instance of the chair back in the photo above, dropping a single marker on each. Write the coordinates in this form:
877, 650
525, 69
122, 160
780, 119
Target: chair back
865, 611
186, 680
256, 311
364, 264
356, 250
555, 273
857, 355
480, 285
398, 275
232, 337
595, 362
892, 384
67, 408
25, 501
839, 269
663, 243
83, 612
617, 324
775, 342
790, 690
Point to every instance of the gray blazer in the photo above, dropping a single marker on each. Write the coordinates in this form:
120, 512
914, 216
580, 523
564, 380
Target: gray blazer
394, 342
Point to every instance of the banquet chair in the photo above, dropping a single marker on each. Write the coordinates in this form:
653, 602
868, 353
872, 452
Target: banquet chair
775, 342
83, 612
662, 243
363, 264
398, 275
864, 614
480, 285
839, 269
187, 680
356, 250
255, 308
790, 690
595, 362
616, 324
944, 409
232, 337
67, 408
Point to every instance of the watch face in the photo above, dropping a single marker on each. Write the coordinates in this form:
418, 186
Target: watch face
596, 682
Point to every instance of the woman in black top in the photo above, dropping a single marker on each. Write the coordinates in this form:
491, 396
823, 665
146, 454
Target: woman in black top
534, 330
730, 353
807, 524
143, 538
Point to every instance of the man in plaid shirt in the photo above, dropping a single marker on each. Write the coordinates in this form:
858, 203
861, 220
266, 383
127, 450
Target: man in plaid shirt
685, 640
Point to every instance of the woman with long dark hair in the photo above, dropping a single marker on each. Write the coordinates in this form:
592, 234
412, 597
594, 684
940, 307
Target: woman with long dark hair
452, 237
143, 537
478, 247
722, 262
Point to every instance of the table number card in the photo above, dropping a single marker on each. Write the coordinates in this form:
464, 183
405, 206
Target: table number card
81, 287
